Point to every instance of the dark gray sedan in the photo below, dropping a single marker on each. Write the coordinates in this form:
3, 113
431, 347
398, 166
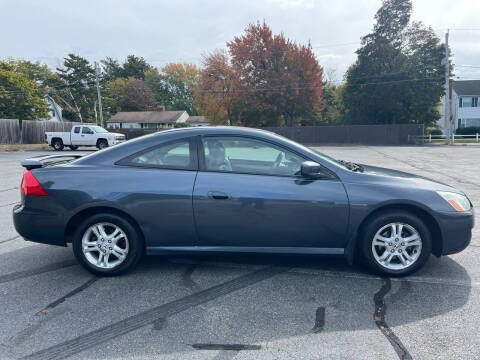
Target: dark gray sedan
227, 189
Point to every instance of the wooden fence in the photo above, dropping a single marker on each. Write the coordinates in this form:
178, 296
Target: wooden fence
9, 131
31, 132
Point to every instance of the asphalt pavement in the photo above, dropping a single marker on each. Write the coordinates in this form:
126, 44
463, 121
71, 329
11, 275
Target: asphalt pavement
248, 306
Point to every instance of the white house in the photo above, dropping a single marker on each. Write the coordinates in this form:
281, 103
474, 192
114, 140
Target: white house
159, 119
465, 106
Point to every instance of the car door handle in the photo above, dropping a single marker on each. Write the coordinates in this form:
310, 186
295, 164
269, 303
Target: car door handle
218, 195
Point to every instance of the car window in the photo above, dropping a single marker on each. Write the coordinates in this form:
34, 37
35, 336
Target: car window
246, 155
177, 155
86, 130
76, 130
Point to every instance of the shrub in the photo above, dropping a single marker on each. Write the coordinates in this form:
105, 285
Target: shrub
436, 132
471, 130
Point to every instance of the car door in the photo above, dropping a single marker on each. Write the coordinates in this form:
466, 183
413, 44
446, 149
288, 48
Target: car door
76, 135
87, 137
159, 181
249, 192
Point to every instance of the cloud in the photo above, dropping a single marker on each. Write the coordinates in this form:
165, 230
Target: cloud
183, 30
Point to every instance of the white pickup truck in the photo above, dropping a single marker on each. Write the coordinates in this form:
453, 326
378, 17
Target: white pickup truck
83, 135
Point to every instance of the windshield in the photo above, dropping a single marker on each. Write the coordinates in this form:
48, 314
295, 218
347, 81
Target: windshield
98, 129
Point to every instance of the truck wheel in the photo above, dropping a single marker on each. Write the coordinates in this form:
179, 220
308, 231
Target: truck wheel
73, 147
57, 144
102, 144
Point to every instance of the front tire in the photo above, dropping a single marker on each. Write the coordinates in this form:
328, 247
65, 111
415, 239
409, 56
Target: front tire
73, 147
102, 144
396, 243
108, 245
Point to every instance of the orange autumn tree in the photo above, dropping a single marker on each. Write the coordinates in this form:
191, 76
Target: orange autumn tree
263, 80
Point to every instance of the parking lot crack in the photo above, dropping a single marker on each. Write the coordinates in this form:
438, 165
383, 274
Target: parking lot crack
379, 317
319, 320
187, 278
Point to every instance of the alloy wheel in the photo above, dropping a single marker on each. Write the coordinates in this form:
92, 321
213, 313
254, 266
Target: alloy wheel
105, 245
396, 246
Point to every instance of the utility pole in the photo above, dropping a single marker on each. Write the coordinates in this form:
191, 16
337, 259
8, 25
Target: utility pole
448, 124
97, 73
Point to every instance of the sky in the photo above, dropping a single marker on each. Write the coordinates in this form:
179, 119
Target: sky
165, 31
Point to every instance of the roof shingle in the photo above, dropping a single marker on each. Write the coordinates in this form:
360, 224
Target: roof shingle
467, 87
146, 116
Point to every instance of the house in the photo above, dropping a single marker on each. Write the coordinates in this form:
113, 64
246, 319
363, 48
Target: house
198, 121
158, 119
465, 105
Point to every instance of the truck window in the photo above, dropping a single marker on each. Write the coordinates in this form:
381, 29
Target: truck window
86, 130
76, 130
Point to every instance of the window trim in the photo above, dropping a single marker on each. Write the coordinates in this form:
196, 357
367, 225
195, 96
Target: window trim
126, 161
329, 175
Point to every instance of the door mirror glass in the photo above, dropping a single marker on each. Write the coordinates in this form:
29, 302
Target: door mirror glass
311, 169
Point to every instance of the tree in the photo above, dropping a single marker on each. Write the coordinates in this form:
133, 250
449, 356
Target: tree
333, 112
20, 97
135, 67
173, 85
128, 95
138, 96
215, 94
398, 76
77, 92
279, 81
111, 69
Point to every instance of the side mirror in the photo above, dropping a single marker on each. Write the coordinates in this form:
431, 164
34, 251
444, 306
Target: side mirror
311, 169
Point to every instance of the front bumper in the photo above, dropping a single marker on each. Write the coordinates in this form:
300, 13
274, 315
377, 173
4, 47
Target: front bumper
456, 229
39, 226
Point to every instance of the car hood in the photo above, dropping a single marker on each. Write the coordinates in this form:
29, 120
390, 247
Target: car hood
396, 177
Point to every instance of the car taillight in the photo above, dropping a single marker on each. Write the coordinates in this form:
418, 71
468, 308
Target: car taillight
30, 185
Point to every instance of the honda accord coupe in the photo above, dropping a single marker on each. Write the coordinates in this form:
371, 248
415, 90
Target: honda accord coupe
229, 189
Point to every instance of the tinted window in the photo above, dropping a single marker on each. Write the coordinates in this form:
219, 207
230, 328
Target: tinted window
176, 155
77, 130
86, 130
245, 155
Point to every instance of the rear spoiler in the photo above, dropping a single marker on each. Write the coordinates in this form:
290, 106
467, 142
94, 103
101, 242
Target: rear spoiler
41, 161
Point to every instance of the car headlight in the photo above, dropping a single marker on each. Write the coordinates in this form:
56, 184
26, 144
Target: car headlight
458, 201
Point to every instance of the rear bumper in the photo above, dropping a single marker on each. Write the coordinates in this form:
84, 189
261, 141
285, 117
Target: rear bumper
39, 226
456, 229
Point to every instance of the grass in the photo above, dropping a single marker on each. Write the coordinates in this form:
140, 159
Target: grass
23, 147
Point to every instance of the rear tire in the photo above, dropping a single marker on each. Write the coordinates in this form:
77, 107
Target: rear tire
108, 245
57, 144
73, 147
102, 144
395, 243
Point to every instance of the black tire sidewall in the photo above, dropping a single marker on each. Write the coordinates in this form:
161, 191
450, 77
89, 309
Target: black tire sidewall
136, 245
60, 145
102, 144
389, 217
